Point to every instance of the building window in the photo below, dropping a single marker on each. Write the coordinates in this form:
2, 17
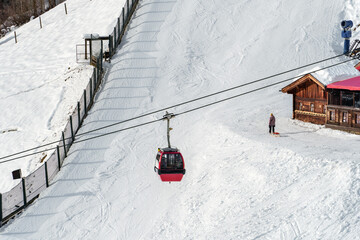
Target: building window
334, 97
332, 115
357, 118
324, 109
357, 99
300, 106
345, 117
347, 99
312, 107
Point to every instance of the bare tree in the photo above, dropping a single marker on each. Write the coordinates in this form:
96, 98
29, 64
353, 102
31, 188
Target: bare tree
34, 8
42, 4
18, 12
52, 3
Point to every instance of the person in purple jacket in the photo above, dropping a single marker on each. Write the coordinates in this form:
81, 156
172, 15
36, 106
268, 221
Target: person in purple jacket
272, 124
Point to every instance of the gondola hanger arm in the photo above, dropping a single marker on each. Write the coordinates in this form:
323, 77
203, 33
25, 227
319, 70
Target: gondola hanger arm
168, 116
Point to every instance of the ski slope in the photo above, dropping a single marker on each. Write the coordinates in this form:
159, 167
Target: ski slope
241, 182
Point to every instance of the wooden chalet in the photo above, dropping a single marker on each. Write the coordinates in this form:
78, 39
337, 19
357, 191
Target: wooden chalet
336, 105
343, 110
309, 99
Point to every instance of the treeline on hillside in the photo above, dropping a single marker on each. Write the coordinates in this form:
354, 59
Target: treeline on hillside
18, 12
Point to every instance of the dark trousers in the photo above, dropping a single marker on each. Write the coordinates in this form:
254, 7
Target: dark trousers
271, 128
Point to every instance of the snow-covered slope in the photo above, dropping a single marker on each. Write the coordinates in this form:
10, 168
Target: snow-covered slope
40, 82
241, 182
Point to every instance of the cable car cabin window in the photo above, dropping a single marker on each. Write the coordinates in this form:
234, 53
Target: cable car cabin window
347, 99
171, 161
357, 99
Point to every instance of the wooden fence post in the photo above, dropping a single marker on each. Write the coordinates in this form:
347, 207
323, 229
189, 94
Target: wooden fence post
46, 175
1, 216
85, 107
94, 84
90, 46
63, 136
95, 80
40, 22
79, 120
24, 191
72, 130
96, 74
119, 31
128, 11
91, 91
115, 45
86, 48
65, 8
98, 70
110, 46
58, 155
123, 25
15, 37
101, 58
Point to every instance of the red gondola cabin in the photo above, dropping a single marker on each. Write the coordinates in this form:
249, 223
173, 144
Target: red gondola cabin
169, 164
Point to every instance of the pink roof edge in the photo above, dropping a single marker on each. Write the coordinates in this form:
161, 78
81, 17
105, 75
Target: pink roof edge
348, 84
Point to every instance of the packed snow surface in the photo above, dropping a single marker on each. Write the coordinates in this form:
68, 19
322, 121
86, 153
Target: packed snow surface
241, 182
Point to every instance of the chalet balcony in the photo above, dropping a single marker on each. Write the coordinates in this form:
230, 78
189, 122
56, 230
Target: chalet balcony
343, 118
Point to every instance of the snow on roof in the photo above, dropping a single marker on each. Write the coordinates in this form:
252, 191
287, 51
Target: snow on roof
335, 74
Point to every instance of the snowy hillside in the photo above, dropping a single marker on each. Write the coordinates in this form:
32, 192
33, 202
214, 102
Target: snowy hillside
40, 81
241, 182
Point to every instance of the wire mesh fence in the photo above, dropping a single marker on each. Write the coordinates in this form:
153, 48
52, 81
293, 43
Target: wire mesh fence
12, 200
32, 185
82, 53
52, 166
20, 196
35, 183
